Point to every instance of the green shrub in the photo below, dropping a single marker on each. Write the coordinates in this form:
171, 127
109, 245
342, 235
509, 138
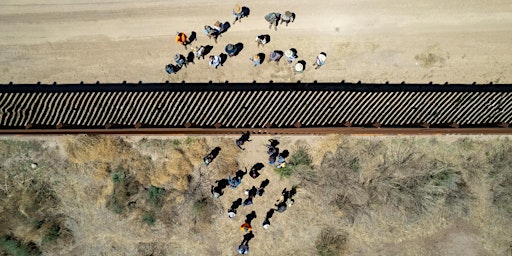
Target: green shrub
118, 176
52, 234
148, 218
199, 207
354, 165
155, 195
286, 171
300, 157
298, 161
11, 246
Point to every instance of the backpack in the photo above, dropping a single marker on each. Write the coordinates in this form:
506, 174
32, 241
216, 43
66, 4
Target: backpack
271, 17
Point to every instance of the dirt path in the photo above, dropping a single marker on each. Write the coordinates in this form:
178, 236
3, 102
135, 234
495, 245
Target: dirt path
69, 41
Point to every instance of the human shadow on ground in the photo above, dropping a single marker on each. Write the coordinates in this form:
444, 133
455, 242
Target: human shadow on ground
236, 204
249, 217
193, 36
239, 46
246, 11
191, 57
240, 174
223, 58
262, 57
207, 49
254, 173
225, 26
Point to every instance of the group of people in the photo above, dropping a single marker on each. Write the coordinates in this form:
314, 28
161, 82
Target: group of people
218, 28
285, 200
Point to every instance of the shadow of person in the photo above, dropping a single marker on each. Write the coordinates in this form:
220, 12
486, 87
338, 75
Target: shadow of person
223, 58
246, 11
293, 191
215, 152
207, 49
247, 238
269, 214
239, 46
225, 26
236, 204
240, 174
273, 142
191, 57
253, 191
262, 57
257, 166
193, 36
249, 217
264, 184
222, 183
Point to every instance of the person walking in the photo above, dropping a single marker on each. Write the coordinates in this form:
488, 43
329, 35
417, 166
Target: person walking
237, 14
262, 40
290, 55
275, 56
211, 32
214, 61
182, 39
273, 19
320, 60
287, 17
255, 60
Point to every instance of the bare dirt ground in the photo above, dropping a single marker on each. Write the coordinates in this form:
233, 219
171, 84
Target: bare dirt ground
69, 41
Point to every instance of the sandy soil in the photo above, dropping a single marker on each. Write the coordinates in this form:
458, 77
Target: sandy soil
69, 41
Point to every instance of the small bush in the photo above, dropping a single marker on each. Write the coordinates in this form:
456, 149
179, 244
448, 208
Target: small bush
148, 218
199, 207
331, 243
155, 195
118, 176
300, 157
286, 171
189, 140
298, 161
11, 246
354, 165
52, 234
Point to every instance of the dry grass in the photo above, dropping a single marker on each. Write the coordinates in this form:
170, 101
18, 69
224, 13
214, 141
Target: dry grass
92, 148
152, 196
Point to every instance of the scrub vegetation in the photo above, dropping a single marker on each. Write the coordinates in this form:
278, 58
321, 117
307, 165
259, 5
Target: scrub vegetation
355, 196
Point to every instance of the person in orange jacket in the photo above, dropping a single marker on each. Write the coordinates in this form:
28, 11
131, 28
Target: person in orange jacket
182, 39
246, 227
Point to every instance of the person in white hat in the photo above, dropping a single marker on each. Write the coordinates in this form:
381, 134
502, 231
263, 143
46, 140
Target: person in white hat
287, 17
290, 55
320, 60
298, 68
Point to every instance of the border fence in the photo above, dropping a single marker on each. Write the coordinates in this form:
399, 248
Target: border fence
268, 107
